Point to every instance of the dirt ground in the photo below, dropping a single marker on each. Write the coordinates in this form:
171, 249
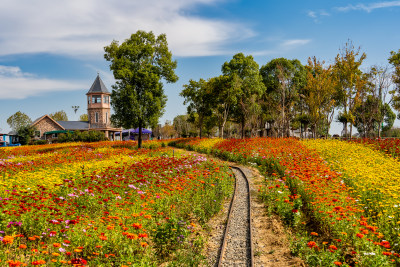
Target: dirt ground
271, 247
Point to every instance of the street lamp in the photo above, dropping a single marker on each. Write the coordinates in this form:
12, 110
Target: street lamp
75, 108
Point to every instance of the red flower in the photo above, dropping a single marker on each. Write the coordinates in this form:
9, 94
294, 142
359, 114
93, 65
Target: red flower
78, 261
312, 244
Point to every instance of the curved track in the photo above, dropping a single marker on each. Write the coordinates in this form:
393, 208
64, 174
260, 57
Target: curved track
237, 245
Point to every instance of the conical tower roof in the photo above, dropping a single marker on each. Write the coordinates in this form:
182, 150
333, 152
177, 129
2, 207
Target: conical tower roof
98, 87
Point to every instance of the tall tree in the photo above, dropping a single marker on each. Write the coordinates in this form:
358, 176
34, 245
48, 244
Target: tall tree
18, 120
182, 126
351, 82
225, 91
394, 59
59, 116
318, 94
198, 95
244, 71
381, 80
168, 130
283, 79
139, 64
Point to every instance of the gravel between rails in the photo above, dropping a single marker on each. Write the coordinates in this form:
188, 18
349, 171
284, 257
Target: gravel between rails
238, 246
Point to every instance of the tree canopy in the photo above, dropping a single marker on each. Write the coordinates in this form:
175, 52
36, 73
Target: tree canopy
18, 120
283, 96
139, 64
244, 73
84, 117
59, 116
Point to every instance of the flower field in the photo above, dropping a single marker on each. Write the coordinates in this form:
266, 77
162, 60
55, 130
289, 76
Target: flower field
342, 198
106, 204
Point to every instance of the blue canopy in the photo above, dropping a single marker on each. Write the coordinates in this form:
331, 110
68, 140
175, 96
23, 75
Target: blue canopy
135, 131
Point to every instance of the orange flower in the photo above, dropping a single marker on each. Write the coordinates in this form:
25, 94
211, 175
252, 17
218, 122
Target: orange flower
314, 233
143, 244
8, 240
22, 246
102, 237
56, 245
338, 263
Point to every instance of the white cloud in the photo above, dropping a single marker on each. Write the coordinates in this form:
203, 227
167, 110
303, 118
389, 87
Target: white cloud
16, 84
317, 15
312, 14
83, 28
296, 42
370, 7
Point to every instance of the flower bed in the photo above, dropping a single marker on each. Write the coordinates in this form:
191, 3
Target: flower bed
128, 207
310, 193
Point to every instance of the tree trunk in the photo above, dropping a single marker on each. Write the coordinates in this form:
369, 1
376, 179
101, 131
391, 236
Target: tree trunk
140, 135
379, 129
351, 130
243, 121
201, 126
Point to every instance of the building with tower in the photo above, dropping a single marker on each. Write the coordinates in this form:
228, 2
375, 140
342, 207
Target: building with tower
98, 111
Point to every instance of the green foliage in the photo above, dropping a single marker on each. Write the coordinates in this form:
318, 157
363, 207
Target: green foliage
367, 120
395, 132
26, 133
84, 117
244, 74
351, 81
40, 142
225, 91
394, 59
183, 126
199, 99
18, 120
138, 65
59, 116
283, 79
169, 236
77, 136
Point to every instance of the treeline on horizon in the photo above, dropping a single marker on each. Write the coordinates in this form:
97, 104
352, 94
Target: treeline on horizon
284, 95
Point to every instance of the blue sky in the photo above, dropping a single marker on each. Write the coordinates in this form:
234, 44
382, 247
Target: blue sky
51, 51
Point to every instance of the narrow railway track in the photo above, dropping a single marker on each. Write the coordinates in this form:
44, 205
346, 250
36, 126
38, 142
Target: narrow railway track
237, 245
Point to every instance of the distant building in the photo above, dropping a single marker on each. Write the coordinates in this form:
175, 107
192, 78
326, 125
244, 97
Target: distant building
98, 99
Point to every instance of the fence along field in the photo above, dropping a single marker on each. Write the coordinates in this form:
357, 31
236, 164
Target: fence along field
106, 204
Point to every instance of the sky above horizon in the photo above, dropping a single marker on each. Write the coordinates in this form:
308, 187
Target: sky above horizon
51, 51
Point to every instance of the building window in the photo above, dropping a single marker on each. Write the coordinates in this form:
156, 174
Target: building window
106, 99
96, 117
106, 117
88, 100
96, 99
37, 133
